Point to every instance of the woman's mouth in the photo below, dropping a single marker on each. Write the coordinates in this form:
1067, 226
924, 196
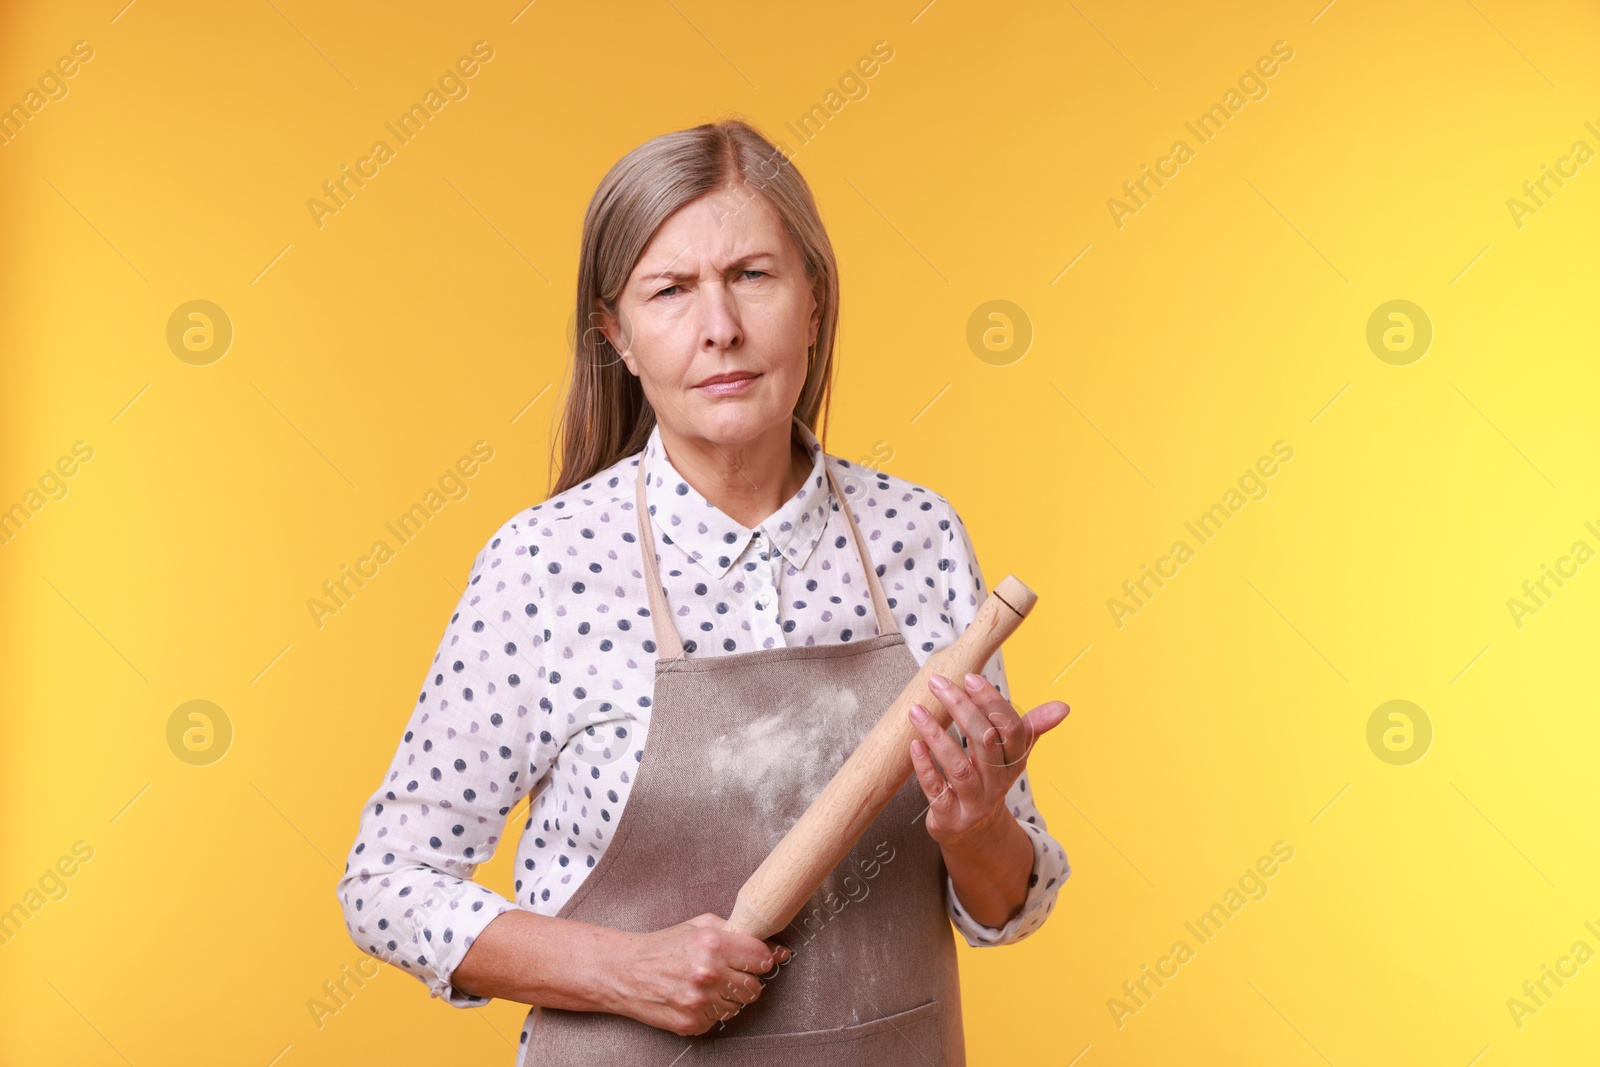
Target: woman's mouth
727, 384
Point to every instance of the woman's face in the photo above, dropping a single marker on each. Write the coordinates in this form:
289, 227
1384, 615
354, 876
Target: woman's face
721, 289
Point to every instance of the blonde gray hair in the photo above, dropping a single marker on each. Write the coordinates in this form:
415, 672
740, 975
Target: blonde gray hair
607, 416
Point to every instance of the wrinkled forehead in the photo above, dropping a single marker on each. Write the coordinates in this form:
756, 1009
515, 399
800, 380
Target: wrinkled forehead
713, 233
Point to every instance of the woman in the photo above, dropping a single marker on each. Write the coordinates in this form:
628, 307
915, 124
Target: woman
675, 651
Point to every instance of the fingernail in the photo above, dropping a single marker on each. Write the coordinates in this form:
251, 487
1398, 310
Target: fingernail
974, 682
938, 681
918, 714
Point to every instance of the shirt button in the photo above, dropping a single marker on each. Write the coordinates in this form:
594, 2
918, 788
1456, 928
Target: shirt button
762, 602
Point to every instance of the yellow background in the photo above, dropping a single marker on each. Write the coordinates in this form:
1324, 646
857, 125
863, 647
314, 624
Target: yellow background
1228, 314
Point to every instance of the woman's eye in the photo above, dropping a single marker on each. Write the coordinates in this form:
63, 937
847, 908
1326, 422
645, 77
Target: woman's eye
759, 273
667, 290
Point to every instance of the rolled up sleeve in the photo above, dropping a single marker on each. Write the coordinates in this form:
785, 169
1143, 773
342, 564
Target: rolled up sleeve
965, 590
468, 754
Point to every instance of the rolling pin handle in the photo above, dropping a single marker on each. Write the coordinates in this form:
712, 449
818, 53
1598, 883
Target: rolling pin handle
745, 920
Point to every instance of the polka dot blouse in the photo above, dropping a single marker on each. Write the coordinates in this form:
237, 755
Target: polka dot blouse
543, 680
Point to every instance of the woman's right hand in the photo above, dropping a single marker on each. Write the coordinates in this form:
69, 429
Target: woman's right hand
689, 977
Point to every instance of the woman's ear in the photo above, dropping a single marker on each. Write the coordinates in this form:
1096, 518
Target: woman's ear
606, 325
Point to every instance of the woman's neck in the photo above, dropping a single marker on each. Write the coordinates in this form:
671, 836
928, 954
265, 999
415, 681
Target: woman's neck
746, 481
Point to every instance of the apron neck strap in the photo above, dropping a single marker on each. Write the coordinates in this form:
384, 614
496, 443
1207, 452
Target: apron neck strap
668, 644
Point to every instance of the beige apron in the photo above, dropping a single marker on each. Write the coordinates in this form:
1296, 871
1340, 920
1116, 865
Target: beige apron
738, 745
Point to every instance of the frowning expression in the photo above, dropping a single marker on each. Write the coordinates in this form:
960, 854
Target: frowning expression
716, 319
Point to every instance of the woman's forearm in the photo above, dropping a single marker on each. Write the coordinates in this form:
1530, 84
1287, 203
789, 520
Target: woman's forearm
539, 959
990, 871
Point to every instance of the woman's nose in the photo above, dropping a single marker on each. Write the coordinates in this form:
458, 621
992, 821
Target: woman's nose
719, 317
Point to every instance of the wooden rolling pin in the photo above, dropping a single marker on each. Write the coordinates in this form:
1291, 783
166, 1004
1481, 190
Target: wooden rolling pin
870, 778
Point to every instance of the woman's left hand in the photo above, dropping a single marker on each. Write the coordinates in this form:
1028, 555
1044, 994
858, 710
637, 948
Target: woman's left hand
966, 788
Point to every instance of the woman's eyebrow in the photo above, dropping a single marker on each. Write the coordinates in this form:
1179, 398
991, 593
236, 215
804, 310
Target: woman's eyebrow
671, 275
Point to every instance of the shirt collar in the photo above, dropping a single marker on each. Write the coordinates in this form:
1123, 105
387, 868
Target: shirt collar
712, 538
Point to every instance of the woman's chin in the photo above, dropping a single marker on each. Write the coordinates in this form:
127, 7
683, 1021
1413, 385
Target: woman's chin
733, 420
